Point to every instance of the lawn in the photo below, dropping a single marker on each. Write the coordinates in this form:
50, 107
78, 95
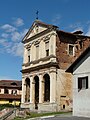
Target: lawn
33, 114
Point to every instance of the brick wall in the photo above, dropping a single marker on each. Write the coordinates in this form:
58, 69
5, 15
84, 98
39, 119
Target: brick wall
62, 42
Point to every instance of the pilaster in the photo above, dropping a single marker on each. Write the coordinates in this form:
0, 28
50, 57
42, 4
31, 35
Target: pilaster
41, 89
52, 86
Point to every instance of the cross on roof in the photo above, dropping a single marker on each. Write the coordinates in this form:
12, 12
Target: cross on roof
37, 14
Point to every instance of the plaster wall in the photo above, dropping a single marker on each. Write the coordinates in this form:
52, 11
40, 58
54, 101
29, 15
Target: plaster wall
81, 98
64, 90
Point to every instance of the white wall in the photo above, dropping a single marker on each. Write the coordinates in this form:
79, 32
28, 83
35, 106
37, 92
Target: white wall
81, 99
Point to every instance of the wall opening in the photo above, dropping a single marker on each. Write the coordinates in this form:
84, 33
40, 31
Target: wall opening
36, 78
63, 106
27, 95
47, 88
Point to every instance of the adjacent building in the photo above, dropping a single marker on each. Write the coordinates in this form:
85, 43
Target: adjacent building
10, 92
48, 52
81, 84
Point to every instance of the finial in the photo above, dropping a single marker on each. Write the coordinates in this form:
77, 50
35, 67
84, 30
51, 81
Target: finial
37, 14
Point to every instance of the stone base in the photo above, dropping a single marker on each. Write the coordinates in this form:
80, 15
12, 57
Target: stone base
25, 105
43, 107
32, 107
47, 107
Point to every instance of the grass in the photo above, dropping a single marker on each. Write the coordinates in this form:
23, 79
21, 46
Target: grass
33, 115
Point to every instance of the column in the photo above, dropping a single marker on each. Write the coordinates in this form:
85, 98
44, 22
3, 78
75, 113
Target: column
32, 90
41, 89
23, 90
52, 86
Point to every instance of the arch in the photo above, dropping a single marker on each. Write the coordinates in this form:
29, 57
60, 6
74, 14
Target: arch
46, 87
27, 94
36, 79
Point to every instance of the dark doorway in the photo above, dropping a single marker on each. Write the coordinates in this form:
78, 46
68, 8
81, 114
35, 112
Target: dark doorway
36, 78
63, 106
27, 95
47, 88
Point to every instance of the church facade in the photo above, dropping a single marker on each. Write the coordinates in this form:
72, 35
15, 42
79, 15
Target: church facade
48, 52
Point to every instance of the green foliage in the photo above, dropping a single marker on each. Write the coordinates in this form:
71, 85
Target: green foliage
2, 106
18, 118
33, 115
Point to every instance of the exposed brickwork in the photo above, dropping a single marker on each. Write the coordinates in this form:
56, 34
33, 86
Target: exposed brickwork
62, 42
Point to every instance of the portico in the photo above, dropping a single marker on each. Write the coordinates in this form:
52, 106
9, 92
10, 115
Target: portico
39, 89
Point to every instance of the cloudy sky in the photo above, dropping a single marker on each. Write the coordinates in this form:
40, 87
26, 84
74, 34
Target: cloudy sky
16, 17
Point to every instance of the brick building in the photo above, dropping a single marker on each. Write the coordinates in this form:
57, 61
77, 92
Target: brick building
10, 92
48, 52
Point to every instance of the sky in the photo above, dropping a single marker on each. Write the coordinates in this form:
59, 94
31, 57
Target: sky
16, 17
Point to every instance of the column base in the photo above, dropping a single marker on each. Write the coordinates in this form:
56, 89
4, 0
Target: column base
25, 105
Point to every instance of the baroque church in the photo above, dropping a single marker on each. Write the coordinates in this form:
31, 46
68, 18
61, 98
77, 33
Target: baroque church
48, 52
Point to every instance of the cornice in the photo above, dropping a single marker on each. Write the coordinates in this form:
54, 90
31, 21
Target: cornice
48, 65
37, 61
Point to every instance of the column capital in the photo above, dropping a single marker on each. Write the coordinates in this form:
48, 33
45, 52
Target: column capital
53, 70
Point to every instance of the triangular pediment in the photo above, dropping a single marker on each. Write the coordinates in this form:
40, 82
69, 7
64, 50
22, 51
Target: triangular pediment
36, 28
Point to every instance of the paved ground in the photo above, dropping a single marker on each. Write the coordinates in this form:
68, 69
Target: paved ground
60, 117
66, 118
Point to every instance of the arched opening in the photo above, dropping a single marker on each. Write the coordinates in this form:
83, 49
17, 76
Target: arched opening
36, 78
46, 88
27, 95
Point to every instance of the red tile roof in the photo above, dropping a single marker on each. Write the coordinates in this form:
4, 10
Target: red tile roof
11, 83
10, 96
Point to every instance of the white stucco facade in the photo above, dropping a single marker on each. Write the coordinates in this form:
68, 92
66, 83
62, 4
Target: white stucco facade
81, 98
43, 83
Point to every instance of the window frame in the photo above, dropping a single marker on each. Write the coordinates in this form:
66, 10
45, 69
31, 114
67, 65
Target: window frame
37, 52
71, 53
28, 55
47, 48
83, 83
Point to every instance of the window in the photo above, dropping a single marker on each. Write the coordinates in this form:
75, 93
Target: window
63, 106
37, 52
6, 91
28, 55
81, 44
10, 101
47, 52
83, 83
71, 50
14, 92
47, 48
